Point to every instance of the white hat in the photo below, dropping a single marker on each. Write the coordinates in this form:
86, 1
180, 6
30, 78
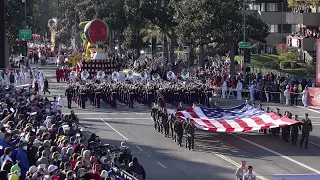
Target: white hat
42, 128
33, 169
42, 166
104, 174
36, 142
52, 168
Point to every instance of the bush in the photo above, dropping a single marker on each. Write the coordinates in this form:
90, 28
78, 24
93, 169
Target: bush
271, 65
294, 65
288, 56
285, 64
281, 48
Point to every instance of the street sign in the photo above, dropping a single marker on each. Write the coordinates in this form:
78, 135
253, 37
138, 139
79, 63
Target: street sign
249, 64
25, 34
244, 45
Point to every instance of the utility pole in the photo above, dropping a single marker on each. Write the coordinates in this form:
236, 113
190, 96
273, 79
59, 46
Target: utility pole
244, 40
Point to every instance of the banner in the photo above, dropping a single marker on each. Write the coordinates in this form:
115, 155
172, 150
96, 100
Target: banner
313, 97
296, 176
318, 64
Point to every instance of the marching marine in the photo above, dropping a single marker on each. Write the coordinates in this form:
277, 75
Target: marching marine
306, 129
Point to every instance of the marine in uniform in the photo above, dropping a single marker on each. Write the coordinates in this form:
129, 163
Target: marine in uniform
306, 129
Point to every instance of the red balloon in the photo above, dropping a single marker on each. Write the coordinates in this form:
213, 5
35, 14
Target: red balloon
98, 31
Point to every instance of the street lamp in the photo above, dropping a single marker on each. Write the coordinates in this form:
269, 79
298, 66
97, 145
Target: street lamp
142, 52
25, 13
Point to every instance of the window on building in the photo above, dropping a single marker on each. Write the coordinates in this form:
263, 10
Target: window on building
263, 6
254, 6
274, 28
295, 28
271, 7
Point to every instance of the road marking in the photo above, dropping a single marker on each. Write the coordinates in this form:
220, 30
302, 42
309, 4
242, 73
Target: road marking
235, 164
279, 154
114, 129
314, 143
309, 109
161, 164
116, 118
139, 148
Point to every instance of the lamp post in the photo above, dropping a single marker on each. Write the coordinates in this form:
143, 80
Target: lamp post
244, 40
25, 13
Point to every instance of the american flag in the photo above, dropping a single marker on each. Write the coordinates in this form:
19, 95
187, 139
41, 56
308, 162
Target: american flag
238, 119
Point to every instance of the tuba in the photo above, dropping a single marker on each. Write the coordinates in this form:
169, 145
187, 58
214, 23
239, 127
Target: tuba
100, 75
170, 75
85, 75
130, 75
115, 75
185, 74
155, 76
73, 75
144, 75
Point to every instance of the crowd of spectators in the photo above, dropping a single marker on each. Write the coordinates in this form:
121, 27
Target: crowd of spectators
39, 142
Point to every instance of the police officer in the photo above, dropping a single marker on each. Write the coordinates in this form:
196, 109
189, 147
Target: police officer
306, 129
190, 135
295, 131
69, 96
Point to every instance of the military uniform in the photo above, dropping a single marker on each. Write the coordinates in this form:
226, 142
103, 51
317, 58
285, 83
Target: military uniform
306, 129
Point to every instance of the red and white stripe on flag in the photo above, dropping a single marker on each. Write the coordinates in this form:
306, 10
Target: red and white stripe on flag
253, 123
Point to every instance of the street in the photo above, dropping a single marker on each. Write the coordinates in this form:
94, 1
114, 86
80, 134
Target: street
216, 155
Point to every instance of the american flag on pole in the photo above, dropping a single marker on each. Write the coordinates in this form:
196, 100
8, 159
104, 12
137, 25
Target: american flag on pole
238, 119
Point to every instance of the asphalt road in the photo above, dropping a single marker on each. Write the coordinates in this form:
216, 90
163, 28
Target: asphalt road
216, 155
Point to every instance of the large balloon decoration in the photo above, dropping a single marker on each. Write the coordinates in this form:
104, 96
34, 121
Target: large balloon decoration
95, 32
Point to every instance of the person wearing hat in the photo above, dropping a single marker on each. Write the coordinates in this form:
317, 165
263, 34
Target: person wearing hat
306, 129
137, 169
23, 159
249, 175
241, 170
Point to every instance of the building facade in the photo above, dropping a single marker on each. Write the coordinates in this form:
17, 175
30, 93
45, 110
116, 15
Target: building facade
297, 27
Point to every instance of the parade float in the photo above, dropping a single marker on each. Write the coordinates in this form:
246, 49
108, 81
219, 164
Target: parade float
95, 34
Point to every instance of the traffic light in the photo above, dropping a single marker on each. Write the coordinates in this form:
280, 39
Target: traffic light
246, 55
24, 48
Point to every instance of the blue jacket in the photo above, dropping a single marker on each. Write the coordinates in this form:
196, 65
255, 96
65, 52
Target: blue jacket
4, 144
24, 162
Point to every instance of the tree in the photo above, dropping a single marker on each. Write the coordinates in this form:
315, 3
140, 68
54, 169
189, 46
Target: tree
220, 21
295, 3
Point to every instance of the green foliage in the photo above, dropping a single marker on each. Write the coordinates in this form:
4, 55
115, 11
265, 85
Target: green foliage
288, 56
289, 65
271, 65
285, 64
82, 25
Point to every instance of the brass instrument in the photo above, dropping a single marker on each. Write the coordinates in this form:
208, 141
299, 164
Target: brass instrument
130, 75
115, 75
185, 74
155, 76
170, 75
85, 75
101, 75
144, 75
73, 75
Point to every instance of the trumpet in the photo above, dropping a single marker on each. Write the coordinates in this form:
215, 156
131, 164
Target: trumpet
144, 75
115, 75
85, 75
73, 75
155, 76
185, 74
100, 75
170, 75
130, 75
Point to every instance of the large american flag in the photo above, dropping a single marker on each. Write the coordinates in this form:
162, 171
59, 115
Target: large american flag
238, 119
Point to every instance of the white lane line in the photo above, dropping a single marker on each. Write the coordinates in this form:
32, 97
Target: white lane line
309, 109
161, 164
279, 154
114, 129
118, 118
314, 143
139, 148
